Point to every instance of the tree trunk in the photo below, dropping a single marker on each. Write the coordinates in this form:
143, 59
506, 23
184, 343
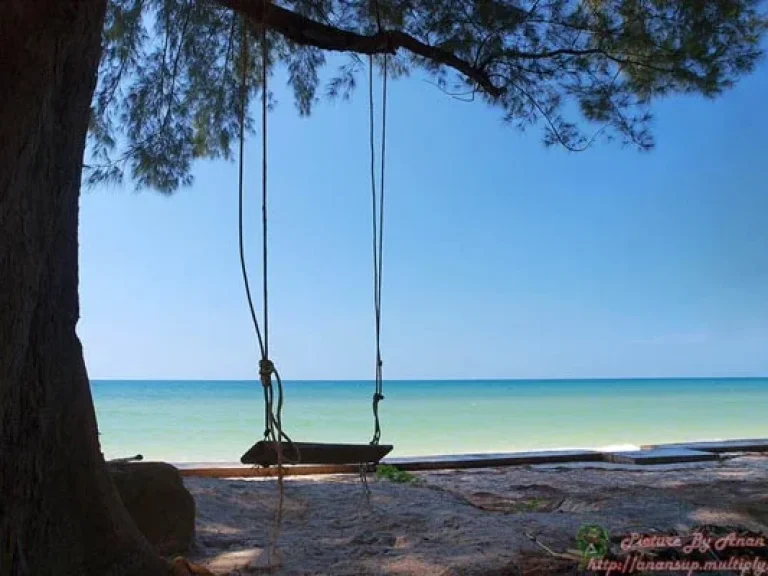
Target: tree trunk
59, 511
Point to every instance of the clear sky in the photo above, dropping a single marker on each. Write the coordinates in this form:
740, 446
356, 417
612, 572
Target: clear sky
503, 259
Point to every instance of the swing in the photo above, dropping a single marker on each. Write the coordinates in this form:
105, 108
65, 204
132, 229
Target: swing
277, 448
264, 453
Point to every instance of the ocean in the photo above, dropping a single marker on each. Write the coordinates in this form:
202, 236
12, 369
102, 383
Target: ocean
216, 421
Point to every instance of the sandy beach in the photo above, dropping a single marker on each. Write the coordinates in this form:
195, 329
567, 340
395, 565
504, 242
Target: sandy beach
514, 520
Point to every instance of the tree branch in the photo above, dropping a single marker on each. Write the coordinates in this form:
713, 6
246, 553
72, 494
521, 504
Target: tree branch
308, 32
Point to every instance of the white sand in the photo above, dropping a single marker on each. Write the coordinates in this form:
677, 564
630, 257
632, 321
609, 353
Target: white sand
464, 522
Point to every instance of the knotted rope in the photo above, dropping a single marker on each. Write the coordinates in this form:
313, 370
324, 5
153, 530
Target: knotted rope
378, 232
273, 429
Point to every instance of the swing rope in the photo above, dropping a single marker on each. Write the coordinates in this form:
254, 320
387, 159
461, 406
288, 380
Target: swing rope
273, 429
378, 232
272, 417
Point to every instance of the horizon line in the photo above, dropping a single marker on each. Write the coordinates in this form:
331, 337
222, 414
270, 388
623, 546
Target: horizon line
488, 379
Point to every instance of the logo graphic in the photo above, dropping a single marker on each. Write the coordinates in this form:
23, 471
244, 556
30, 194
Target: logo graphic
592, 541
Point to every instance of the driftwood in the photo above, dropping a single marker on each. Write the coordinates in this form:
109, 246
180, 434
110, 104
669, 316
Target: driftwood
137, 458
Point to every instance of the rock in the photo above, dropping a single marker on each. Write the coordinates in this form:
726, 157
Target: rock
158, 502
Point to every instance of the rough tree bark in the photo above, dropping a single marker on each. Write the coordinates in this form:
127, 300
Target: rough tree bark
59, 511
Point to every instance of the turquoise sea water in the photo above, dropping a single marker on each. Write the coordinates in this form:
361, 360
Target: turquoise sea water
212, 421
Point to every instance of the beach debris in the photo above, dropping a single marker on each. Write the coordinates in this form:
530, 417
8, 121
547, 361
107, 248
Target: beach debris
569, 555
578, 506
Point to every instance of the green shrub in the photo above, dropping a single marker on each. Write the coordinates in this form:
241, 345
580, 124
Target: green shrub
394, 474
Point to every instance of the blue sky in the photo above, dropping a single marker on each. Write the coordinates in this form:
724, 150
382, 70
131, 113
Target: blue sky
502, 258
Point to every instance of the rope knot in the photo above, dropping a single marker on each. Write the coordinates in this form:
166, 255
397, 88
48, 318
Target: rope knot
266, 369
378, 397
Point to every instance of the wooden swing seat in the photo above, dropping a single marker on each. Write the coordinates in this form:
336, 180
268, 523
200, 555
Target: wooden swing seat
264, 453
